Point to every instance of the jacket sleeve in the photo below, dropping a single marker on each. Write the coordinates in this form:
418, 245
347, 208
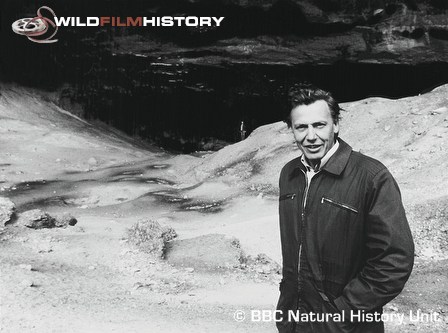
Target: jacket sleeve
389, 249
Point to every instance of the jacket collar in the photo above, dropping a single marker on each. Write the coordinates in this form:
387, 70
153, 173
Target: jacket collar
336, 164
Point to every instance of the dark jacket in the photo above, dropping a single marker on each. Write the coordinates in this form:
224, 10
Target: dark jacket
353, 233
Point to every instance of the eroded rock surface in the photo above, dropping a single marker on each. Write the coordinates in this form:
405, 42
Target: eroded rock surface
36, 219
7, 209
150, 237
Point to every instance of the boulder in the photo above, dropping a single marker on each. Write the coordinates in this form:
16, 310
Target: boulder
150, 237
7, 209
64, 220
36, 219
208, 252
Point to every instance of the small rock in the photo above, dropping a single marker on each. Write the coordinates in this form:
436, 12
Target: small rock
137, 285
37, 219
92, 161
378, 11
65, 220
45, 247
7, 209
189, 269
439, 110
387, 128
26, 267
27, 283
92, 268
79, 229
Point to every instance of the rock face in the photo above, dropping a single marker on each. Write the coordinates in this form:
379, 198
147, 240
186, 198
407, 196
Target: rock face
294, 31
179, 86
208, 252
7, 209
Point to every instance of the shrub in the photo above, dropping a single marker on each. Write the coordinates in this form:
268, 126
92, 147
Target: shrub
150, 237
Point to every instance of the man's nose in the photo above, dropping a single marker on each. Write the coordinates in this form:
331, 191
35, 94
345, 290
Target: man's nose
311, 136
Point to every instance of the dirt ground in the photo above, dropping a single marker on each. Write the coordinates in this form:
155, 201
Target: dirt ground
89, 278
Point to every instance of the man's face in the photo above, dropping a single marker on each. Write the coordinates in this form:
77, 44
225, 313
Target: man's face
313, 129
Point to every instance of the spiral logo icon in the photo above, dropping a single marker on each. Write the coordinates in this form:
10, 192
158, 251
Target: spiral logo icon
37, 26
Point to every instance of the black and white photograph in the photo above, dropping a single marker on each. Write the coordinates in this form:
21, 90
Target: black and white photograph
224, 166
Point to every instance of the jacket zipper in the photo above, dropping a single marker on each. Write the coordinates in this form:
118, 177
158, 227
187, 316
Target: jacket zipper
305, 194
300, 255
338, 204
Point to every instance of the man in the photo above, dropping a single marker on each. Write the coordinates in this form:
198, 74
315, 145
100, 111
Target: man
346, 244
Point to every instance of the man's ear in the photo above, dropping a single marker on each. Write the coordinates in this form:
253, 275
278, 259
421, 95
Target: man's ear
336, 127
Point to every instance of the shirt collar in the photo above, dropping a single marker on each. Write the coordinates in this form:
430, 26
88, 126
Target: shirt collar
324, 159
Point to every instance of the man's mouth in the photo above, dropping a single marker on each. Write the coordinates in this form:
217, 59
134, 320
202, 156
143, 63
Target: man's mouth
313, 148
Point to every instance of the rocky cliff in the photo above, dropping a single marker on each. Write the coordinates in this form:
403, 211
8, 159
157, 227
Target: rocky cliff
180, 86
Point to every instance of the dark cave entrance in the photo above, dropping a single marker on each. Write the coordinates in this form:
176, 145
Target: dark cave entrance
181, 101
186, 108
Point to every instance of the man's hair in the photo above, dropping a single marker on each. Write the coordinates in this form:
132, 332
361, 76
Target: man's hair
300, 94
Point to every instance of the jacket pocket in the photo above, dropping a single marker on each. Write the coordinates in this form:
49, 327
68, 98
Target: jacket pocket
339, 204
290, 196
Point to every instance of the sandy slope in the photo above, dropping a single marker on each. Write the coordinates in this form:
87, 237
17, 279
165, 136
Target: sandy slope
89, 279
410, 136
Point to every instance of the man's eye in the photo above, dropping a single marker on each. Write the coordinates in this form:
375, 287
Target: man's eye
320, 126
300, 128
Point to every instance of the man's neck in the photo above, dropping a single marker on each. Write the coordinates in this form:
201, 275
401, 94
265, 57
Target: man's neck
313, 163
318, 164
